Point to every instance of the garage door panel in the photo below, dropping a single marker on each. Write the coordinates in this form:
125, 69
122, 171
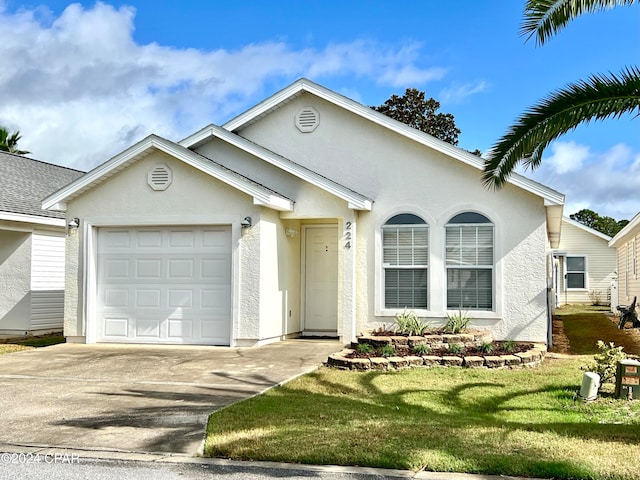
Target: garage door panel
116, 327
180, 268
148, 298
181, 298
148, 268
168, 285
116, 268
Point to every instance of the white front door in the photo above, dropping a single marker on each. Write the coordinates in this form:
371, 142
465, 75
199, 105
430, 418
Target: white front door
164, 285
321, 280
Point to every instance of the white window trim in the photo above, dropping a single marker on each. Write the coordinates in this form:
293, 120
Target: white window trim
494, 268
586, 273
386, 266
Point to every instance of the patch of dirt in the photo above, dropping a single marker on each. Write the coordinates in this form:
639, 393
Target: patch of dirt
559, 339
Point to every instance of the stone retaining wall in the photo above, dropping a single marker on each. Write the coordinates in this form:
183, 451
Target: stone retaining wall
529, 358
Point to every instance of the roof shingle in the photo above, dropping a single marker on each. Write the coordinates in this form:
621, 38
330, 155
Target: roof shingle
24, 182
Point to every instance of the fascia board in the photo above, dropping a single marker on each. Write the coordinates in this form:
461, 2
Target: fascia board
628, 228
586, 229
304, 85
263, 195
61, 196
355, 200
24, 218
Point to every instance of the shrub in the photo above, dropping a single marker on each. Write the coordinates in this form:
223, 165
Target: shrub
421, 349
455, 348
456, 323
486, 347
596, 297
364, 348
509, 346
408, 323
605, 361
386, 351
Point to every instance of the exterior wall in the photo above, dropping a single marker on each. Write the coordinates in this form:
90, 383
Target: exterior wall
601, 264
402, 176
628, 251
47, 280
193, 198
15, 281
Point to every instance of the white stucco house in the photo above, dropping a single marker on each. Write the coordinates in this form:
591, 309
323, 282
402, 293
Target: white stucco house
584, 265
627, 247
308, 214
32, 242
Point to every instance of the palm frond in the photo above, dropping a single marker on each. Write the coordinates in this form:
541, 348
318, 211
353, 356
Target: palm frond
544, 18
597, 98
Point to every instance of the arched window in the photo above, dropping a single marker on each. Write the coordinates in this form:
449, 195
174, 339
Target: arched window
469, 262
405, 245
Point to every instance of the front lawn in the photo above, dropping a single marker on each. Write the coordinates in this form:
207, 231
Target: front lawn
11, 348
513, 422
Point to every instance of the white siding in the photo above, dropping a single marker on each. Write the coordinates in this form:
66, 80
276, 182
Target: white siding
47, 309
47, 262
47, 281
600, 263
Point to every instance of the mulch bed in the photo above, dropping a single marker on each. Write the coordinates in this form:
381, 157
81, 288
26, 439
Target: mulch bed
404, 351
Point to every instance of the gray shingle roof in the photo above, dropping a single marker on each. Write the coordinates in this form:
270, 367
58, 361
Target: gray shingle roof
24, 182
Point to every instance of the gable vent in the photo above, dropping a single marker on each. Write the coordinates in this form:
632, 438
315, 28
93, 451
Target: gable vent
307, 119
159, 177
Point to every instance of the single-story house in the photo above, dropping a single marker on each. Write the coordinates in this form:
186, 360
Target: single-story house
584, 265
626, 244
32, 244
308, 214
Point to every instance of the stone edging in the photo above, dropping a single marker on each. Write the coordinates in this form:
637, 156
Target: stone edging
530, 358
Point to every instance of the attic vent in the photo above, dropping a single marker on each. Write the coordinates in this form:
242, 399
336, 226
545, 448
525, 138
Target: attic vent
159, 177
307, 119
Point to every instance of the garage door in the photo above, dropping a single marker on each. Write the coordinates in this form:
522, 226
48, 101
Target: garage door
164, 285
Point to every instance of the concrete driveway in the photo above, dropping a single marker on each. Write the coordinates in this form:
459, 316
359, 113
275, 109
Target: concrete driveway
137, 398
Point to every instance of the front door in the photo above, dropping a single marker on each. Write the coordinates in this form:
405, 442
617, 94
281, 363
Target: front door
321, 280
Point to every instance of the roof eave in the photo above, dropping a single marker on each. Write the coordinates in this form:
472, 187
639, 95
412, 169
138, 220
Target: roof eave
261, 195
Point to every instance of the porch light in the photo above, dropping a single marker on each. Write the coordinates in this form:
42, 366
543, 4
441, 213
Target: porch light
246, 224
73, 226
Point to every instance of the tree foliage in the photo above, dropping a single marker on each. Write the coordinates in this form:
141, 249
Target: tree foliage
9, 142
607, 225
420, 113
597, 98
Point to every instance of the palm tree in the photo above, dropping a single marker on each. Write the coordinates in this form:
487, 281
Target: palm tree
597, 98
9, 142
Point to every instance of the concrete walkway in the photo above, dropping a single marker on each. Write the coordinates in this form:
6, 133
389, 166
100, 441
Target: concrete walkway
137, 398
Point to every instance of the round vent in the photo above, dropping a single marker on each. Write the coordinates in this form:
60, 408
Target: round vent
307, 119
159, 177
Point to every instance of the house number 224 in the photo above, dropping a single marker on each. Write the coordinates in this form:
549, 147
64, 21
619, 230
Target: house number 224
347, 235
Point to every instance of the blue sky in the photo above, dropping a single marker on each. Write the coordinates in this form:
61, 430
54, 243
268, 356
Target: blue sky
91, 78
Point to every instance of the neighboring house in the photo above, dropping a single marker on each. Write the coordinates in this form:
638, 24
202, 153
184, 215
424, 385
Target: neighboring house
584, 265
308, 214
627, 244
32, 244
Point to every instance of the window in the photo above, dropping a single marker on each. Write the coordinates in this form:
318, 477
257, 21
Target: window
576, 268
405, 258
469, 262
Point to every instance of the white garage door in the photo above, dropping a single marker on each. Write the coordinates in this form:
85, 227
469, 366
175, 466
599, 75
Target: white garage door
164, 285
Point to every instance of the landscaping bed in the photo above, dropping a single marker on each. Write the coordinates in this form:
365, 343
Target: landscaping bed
474, 349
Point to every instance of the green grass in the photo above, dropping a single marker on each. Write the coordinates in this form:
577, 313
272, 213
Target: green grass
584, 325
512, 422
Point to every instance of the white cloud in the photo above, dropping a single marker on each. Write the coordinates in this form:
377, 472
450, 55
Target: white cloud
456, 93
80, 89
567, 156
605, 182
